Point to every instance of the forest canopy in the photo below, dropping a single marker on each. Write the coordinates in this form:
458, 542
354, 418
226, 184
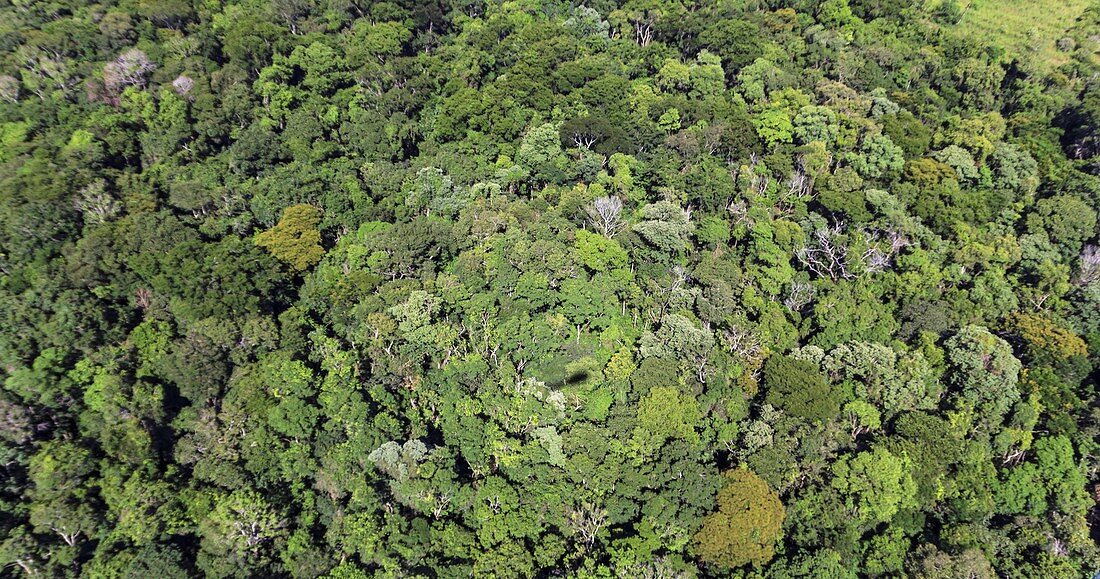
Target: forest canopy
545, 288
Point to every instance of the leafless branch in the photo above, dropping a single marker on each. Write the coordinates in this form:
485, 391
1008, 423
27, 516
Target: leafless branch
743, 344
825, 255
605, 215
1088, 271
799, 296
129, 69
587, 521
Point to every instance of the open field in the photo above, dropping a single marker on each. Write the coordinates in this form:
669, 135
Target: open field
1022, 26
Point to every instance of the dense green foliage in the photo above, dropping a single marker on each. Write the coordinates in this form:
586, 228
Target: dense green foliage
627, 288
746, 525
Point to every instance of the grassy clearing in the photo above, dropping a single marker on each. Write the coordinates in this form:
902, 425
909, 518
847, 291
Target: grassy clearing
1023, 26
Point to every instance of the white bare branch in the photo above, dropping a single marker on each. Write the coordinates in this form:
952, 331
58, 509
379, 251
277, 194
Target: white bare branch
1088, 271
605, 215
825, 254
799, 296
129, 69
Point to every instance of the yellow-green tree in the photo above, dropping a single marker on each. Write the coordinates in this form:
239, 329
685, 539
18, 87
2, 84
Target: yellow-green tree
747, 524
295, 240
1045, 341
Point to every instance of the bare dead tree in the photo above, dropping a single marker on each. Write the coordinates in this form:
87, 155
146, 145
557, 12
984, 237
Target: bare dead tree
129, 69
27, 565
1088, 271
680, 279
743, 344
799, 295
898, 241
658, 568
875, 260
46, 70
1058, 548
738, 210
183, 85
441, 504
879, 256
587, 521
800, 187
799, 184
96, 204
1013, 456
712, 136
9, 88
644, 23
759, 183
143, 298
251, 532
583, 140
291, 11
826, 255
1038, 300
605, 215
69, 536
857, 427
701, 360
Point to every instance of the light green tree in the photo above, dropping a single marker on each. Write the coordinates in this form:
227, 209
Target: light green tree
875, 484
984, 373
